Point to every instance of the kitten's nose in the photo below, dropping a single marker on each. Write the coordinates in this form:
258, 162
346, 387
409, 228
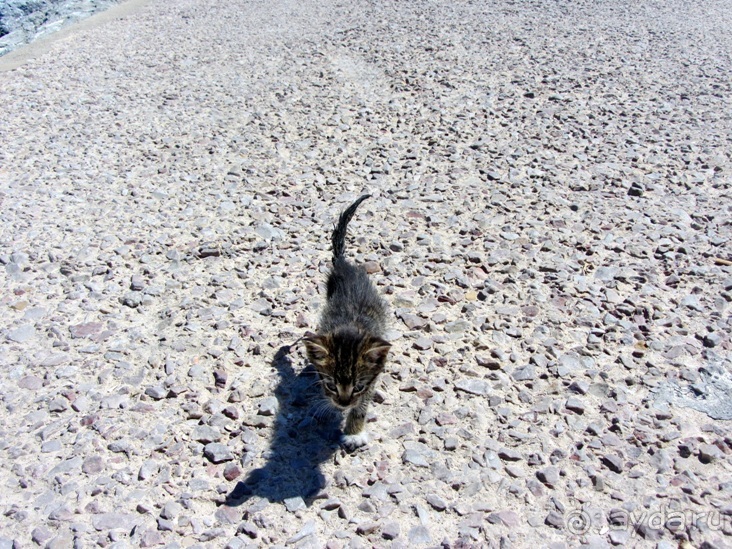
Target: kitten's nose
344, 401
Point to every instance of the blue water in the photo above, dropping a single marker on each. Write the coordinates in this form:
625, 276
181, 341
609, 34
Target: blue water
23, 21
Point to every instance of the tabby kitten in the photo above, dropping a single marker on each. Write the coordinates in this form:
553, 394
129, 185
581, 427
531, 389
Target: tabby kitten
349, 351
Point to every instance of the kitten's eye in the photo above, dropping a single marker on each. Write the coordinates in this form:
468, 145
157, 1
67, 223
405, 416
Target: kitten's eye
359, 388
330, 386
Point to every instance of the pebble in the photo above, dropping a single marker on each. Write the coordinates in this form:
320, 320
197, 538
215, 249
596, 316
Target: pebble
436, 502
509, 454
613, 462
171, 510
249, 529
474, 386
549, 476
268, 406
86, 330
525, 373
206, 434
22, 334
40, 535
575, 404
92, 465
419, 535
423, 343
555, 520
31, 382
113, 521
415, 458
391, 530
156, 392
709, 453
217, 453
367, 528
148, 469
58, 405
308, 529
294, 504
569, 364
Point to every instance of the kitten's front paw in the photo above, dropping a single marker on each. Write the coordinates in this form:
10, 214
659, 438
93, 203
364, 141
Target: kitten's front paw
351, 442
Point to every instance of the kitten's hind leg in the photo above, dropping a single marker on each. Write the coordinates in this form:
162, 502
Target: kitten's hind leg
354, 434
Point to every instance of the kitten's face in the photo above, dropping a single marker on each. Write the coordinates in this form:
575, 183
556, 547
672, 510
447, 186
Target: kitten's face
348, 365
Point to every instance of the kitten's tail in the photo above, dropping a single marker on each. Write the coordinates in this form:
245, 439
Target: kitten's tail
339, 233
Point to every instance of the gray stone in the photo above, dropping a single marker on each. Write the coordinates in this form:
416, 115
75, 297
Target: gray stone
419, 535
268, 406
509, 518
148, 469
423, 343
391, 530
524, 373
156, 392
294, 504
137, 283
709, 453
217, 453
580, 387
81, 404
436, 502
269, 233
41, 535
457, 326
692, 302
171, 510
67, 466
151, 538
649, 533
132, 299
58, 405
606, 274
619, 536
51, 446
367, 528
92, 465
569, 364
415, 458
206, 434
114, 521
22, 334
555, 520
613, 462
509, 454
211, 534
86, 329
549, 476
576, 405
249, 529
474, 386
30, 382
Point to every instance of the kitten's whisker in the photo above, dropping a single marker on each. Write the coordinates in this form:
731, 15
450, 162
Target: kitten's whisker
322, 408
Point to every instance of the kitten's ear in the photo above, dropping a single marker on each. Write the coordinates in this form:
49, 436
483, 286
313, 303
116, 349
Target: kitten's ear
377, 351
316, 349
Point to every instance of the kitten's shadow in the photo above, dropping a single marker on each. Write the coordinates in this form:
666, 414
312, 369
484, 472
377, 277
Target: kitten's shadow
301, 442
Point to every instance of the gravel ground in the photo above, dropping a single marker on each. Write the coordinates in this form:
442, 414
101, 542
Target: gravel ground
551, 226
